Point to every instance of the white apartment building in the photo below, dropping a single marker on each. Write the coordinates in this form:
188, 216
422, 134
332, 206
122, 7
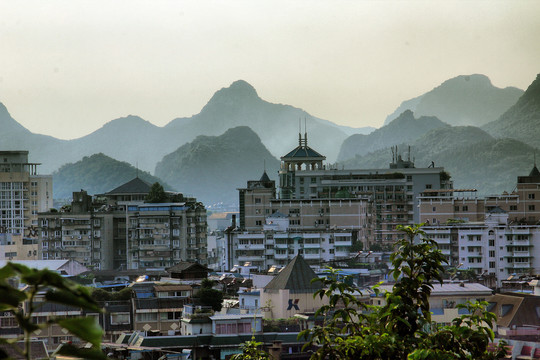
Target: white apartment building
23, 193
495, 248
278, 243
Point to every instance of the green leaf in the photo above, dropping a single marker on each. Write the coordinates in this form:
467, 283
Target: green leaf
68, 297
11, 297
85, 328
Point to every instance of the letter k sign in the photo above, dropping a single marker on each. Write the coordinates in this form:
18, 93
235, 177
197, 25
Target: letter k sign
293, 304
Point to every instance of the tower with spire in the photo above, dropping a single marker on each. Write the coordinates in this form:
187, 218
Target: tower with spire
300, 158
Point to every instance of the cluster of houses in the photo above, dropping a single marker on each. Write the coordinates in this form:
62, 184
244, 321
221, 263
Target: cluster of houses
264, 256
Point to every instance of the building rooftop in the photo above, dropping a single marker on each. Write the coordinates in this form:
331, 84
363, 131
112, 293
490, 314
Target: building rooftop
296, 277
134, 186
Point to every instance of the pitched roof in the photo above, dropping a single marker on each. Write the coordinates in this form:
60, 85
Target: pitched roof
264, 177
303, 151
185, 265
515, 309
134, 186
295, 277
497, 210
534, 172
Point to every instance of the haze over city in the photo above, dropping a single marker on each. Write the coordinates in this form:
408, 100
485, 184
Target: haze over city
69, 67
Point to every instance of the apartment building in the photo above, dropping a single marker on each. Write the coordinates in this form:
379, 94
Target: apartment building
522, 205
495, 248
118, 230
369, 202
23, 193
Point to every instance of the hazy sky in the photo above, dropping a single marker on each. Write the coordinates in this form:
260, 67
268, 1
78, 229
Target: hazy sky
68, 67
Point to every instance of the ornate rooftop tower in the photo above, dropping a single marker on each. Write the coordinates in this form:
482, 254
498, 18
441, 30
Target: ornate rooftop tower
301, 158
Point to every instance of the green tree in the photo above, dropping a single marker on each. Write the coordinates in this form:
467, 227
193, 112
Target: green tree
156, 194
402, 328
209, 297
251, 350
22, 304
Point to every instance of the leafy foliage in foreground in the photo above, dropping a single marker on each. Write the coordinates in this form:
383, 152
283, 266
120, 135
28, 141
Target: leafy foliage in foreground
251, 350
23, 304
402, 328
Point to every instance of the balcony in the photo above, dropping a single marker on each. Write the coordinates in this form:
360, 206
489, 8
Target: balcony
519, 265
251, 258
251, 247
281, 256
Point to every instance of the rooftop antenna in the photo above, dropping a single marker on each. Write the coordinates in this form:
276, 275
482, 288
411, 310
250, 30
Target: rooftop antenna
409, 159
300, 131
264, 162
305, 129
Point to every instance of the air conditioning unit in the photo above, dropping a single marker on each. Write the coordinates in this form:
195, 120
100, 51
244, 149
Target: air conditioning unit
80, 237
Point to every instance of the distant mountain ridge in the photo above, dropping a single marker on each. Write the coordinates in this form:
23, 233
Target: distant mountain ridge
137, 141
211, 168
97, 174
462, 100
405, 128
474, 159
522, 120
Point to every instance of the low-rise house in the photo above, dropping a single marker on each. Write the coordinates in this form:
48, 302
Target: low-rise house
157, 307
291, 291
188, 271
236, 324
196, 320
445, 298
518, 315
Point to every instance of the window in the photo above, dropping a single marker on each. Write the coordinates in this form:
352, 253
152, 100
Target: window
465, 208
257, 200
8, 322
456, 208
428, 186
120, 318
531, 207
146, 317
531, 196
513, 207
244, 328
434, 209
226, 329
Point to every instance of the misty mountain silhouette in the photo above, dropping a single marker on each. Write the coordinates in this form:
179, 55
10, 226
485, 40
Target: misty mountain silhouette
462, 100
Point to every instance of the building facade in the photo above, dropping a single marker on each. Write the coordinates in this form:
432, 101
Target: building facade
494, 249
369, 202
522, 205
23, 193
120, 231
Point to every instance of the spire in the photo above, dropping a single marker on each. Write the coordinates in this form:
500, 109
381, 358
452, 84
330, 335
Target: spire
299, 132
534, 172
305, 131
